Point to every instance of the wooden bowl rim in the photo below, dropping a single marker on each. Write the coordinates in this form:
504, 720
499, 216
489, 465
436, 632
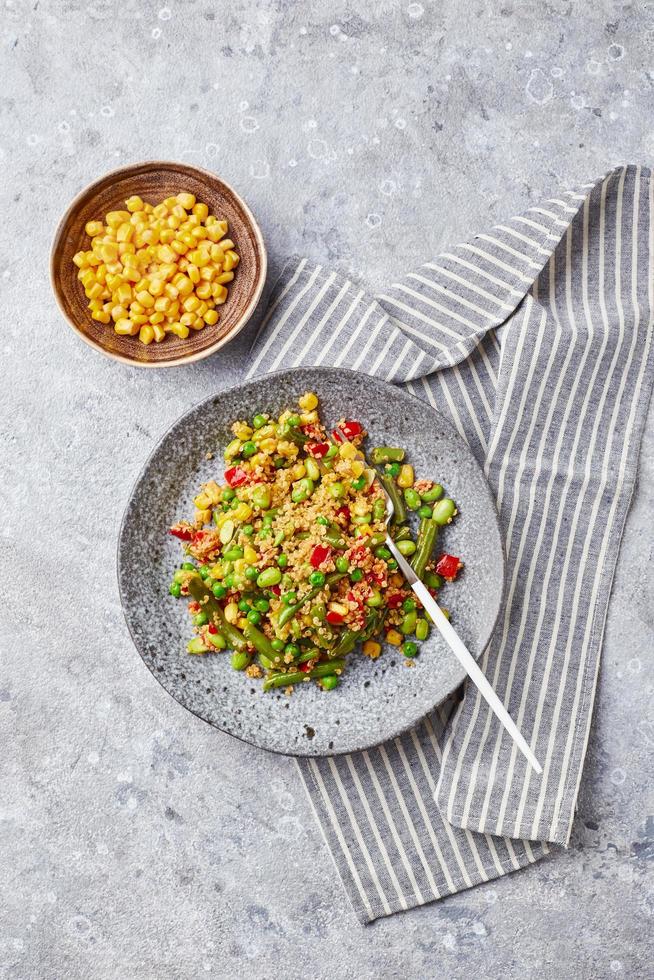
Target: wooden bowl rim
181, 358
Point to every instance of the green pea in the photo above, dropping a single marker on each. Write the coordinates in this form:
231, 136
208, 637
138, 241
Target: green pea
382, 552
282, 561
188, 566
393, 469
228, 494
261, 497
337, 490
264, 534
292, 649
408, 624
201, 619
251, 573
375, 599
268, 577
433, 581
262, 605
240, 660
196, 645
217, 640
289, 598
259, 421
279, 462
409, 649
233, 554
322, 520
406, 548
392, 564
229, 581
379, 510
244, 605
254, 616
293, 421
175, 589
342, 564
268, 519
204, 571
277, 645
422, 629
359, 483
247, 530
412, 498
330, 682
433, 494
248, 449
317, 578
424, 511
444, 511
219, 590
356, 574
409, 605
312, 468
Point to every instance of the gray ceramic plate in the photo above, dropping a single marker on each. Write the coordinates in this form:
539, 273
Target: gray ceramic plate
376, 700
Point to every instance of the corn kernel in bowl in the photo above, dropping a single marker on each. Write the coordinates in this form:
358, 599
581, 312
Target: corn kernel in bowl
159, 269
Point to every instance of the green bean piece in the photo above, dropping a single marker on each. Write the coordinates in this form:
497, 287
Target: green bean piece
205, 597
412, 498
444, 511
289, 611
241, 659
427, 534
407, 547
408, 624
375, 540
399, 510
297, 677
401, 533
422, 629
334, 537
387, 454
379, 509
291, 433
433, 494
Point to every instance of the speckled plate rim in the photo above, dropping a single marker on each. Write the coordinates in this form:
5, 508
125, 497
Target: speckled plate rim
192, 358
331, 372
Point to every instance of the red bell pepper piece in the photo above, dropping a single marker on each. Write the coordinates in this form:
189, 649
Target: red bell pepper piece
212, 628
275, 589
394, 601
236, 476
343, 511
349, 430
334, 618
320, 554
318, 449
304, 667
182, 532
448, 566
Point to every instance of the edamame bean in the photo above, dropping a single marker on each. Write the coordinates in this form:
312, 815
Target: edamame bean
341, 564
337, 490
196, 645
302, 490
259, 421
375, 599
406, 548
217, 640
240, 660
408, 624
268, 577
444, 511
434, 493
422, 629
248, 449
433, 581
412, 498
312, 468
219, 590
261, 497
233, 554
201, 619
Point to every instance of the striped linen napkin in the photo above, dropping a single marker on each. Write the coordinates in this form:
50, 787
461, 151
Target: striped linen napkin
536, 341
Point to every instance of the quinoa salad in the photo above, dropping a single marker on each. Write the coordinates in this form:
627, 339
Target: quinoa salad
285, 563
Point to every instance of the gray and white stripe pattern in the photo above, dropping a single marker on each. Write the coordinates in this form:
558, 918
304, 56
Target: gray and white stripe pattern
536, 340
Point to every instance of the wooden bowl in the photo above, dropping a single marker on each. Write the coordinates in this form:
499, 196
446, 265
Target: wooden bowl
154, 181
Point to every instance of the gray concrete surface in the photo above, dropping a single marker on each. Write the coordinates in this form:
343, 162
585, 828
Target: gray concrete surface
135, 841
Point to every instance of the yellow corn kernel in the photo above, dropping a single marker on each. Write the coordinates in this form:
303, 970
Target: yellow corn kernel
208, 273
184, 285
212, 491
249, 554
242, 512
231, 612
179, 247
87, 277
125, 232
179, 330
210, 318
242, 430
203, 291
298, 470
267, 445
405, 478
308, 401
136, 307
396, 580
167, 271
173, 222
347, 451
118, 313
116, 218
287, 449
371, 649
199, 324
187, 239
393, 637
358, 466
188, 319
187, 201
191, 304
231, 260
156, 287
202, 501
193, 273
201, 309
101, 316
201, 516
166, 254
160, 211
183, 263
226, 244
167, 236
93, 228
138, 318
219, 293
92, 258
108, 252
146, 334
94, 291
145, 299
134, 203
156, 318
124, 294
95, 304
217, 230
162, 304
201, 211
79, 258
126, 327
131, 274
159, 335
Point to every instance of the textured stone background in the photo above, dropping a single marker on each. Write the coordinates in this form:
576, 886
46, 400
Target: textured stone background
135, 841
